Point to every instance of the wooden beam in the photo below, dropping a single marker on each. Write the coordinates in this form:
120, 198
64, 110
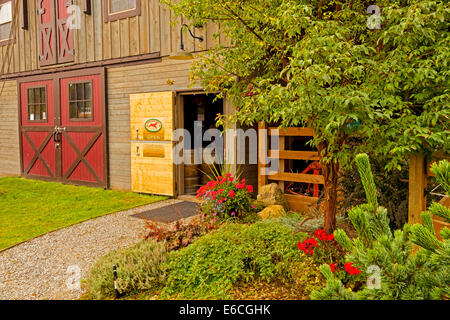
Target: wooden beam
297, 155
281, 164
297, 177
300, 203
417, 182
294, 132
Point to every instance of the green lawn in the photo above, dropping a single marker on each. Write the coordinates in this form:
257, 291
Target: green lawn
31, 208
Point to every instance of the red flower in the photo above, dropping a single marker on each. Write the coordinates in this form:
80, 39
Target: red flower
228, 175
323, 236
240, 186
232, 194
250, 188
332, 266
308, 246
351, 269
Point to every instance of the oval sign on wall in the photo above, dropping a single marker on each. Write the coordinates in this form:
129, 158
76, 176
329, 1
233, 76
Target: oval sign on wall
153, 125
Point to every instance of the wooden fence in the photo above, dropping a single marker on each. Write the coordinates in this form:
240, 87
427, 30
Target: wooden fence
297, 202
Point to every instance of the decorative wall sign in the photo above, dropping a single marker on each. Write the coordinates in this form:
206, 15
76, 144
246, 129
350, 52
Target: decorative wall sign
153, 125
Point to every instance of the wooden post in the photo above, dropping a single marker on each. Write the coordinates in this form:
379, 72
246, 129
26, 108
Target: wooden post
262, 154
417, 184
281, 168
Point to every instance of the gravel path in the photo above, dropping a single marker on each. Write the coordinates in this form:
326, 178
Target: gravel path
45, 267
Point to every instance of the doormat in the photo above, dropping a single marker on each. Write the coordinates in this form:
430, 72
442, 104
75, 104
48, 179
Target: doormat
171, 213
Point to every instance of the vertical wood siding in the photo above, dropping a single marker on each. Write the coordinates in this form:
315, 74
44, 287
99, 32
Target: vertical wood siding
9, 131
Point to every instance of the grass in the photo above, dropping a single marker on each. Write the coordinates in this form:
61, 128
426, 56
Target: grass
32, 208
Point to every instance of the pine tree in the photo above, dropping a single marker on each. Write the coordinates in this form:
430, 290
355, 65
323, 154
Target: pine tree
394, 269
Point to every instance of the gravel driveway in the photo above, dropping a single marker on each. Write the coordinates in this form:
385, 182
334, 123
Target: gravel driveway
47, 267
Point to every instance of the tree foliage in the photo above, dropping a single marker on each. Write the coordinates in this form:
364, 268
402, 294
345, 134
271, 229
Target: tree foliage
316, 63
320, 64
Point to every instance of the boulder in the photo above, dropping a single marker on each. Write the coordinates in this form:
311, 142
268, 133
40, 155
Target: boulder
273, 211
271, 194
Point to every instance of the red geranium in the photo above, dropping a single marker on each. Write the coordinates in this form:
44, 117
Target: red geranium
332, 266
351, 269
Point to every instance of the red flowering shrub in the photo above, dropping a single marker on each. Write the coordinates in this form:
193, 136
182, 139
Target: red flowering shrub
323, 248
308, 246
225, 198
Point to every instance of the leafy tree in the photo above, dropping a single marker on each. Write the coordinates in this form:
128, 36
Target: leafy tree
320, 64
393, 268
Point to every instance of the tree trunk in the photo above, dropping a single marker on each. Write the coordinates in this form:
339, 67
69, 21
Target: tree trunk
330, 172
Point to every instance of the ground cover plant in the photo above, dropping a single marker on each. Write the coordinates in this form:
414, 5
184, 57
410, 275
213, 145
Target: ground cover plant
233, 254
31, 208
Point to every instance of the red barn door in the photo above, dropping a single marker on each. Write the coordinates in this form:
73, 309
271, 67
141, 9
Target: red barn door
63, 128
83, 130
37, 130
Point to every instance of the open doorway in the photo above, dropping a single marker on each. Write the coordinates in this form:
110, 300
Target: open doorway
203, 109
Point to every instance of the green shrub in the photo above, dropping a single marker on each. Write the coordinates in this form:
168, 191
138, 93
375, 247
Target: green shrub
387, 260
139, 267
234, 253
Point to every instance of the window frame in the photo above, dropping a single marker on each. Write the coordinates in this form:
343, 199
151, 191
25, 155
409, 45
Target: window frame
92, 117
109, 17
11, 40
46, 104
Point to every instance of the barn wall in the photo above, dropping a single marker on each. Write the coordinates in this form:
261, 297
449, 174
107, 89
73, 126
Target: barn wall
97, 40
9, 130
168, 75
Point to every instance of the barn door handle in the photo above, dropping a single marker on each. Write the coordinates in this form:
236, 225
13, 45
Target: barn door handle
56, 137
137, 134
137, 151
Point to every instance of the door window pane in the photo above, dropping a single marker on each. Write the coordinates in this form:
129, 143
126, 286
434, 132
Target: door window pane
121, 5
5, 20
37, 104
80, 100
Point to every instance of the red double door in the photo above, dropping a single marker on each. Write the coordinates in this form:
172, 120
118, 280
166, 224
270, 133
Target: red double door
63, 131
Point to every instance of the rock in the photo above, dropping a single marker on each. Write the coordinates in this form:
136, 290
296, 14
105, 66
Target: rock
273, 211
271, 194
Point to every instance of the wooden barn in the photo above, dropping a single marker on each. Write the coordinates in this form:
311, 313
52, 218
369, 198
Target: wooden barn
66, 91
94, 101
